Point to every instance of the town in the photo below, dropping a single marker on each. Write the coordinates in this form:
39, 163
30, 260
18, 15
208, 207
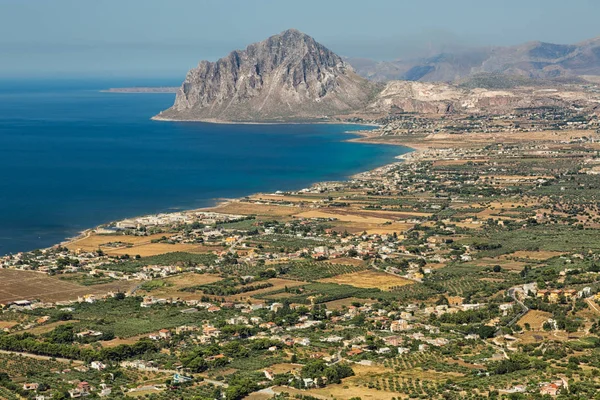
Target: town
469, 269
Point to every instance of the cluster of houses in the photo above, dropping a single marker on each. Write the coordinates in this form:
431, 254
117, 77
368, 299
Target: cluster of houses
176, 218
81, 389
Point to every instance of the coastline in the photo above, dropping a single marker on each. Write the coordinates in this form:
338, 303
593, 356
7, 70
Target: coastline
293, 122
220, 202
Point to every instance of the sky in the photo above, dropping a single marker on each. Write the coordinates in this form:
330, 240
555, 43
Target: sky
165, 38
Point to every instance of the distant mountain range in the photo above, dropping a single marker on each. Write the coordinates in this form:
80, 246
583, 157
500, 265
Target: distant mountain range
291, 77
533, 60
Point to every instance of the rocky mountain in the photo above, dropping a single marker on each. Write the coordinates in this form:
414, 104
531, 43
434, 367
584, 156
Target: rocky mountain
535, 60
443, 98
289, 76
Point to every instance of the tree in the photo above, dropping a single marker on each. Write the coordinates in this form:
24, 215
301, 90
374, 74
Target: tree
486, 332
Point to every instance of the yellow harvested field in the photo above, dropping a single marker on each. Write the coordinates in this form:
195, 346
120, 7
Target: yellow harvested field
192, 279
8, 324
285, 368
93, 242
244, 208
153, 249
369, 279
258, 396
117, 342
534, 255
116, 245
339, 304
291, 199
354, 221
356, 386
390, 229
184, 280
41, 329
469, 225
344, 217
507, 264
393, 214
346, 261
441, 163
515, 178
528, 337
30, 285
278, 284
357, 215
535, 319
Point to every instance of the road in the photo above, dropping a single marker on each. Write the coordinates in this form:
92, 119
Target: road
391, 273
592, 305
39, 357
232, 247
500, 347
67, 360
524, 308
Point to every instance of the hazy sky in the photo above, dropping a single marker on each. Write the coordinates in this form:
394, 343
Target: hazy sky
167, 37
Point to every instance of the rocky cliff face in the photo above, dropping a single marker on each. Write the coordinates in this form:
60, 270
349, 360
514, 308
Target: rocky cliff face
444, 98
286, 77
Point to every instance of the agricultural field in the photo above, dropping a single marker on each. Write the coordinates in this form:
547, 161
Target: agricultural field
362, 220
170, 287
49, 327
8, 324
315, 270
505, 263
342, 303
369, 279
93, 242
29, 285
535, 319
245, 208
153, 249
533, 255
177, 258
127, 319
143, 246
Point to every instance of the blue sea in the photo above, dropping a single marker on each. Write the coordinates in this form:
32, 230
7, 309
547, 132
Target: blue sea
72, 158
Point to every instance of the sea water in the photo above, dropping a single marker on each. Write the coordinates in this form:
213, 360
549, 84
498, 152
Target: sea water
72, 157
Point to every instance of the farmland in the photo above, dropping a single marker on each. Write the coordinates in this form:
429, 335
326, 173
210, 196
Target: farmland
535, 319
406, 282
28, 285
369, 279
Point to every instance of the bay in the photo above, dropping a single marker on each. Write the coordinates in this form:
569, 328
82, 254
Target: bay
72, 157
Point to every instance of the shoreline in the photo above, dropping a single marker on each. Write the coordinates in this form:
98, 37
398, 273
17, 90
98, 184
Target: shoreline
363, 138
294, 122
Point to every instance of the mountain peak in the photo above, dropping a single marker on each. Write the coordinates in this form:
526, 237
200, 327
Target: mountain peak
287, 76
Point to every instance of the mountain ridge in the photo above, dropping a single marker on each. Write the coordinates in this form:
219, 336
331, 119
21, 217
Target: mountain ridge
288, 76
534, 59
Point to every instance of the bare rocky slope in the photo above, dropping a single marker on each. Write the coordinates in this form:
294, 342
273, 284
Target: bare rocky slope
444, 98
287, 77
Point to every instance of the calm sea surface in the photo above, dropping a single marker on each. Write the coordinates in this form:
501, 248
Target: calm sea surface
72, 158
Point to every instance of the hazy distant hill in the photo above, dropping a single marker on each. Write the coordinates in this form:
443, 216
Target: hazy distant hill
289, 76
536, 60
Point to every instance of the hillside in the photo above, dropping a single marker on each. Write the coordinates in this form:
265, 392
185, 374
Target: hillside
537, 60
289, 76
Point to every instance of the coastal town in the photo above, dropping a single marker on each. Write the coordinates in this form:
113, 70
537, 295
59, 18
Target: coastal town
467, 269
